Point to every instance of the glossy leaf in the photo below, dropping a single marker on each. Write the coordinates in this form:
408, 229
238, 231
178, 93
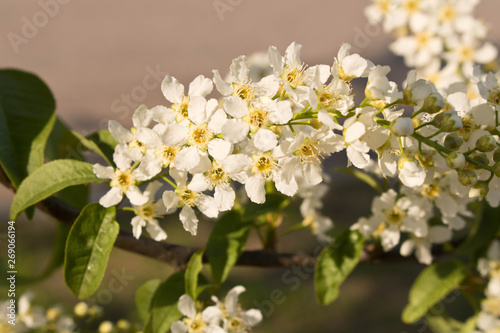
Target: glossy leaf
335, 263
88, 247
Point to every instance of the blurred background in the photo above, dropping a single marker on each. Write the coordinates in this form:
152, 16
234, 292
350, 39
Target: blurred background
102, 59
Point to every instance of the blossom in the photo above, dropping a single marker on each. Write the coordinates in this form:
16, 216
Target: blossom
147, 213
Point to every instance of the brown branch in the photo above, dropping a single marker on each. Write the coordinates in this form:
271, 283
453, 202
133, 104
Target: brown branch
178, 255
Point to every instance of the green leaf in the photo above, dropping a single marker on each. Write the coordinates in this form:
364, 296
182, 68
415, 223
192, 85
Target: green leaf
432, 285
88, 247
164, 311
274, 202
444, 323
144, 298
27, 115
225, 244
192, 271
50, 179
363, 176
486, 226
106, 143
335, 263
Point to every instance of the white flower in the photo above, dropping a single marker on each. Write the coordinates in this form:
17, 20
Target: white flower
123, 179
147, 214
236, 320
187, 199
206, 321
349, 66
422, 245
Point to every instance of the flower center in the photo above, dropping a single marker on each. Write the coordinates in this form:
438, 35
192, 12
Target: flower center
467, 128
181, 109
411, 6
218, 176
195, 324
430, 191
146, 211
264, 165
187, 197
167, 153
256, 118
199, 136
122, 179
447, 13
395, 216
235, 325
294, 75
494, 95
309, 152
423, 39
466, 53
384, 5
244, 91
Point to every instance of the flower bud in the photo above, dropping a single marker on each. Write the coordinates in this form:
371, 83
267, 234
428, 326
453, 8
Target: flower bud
486, 143
123, 325
496, 155
455, 160
453, 141
105, 327
448, 121
480, 189
467, 177
315, 123
480, 158
434, 103
402, 126
81, 309
496, 169
426, 158
53, 314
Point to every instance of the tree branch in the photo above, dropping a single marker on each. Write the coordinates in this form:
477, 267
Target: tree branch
178, 255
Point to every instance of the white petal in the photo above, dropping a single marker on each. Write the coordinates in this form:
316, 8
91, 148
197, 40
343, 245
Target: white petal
235, 106
327, 119
222, 86
150, 166
112, 197
196, 109
137, 224
155, 231
200, 86
354, 65
170, 200
175, 135
103, 172
239, 69
283, 113
135, 196
187, 158
148, 137
265, 140
172, 89
163, 115
231, 302
199, 183
275, 60
219, 149
390, 238
152, 188
255, 189
292, 54
224, 198
252, 317
186, 306
217, 120
142, 117
236, 163
179, 327
189, 220
120, 133
211, 315
312, 173
235, 130
439, 234
407, 247
206, 204
423, 254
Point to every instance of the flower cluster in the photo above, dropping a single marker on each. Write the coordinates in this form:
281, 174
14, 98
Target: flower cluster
489, 317
276, 131
430, 33
223, 317
32, 318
